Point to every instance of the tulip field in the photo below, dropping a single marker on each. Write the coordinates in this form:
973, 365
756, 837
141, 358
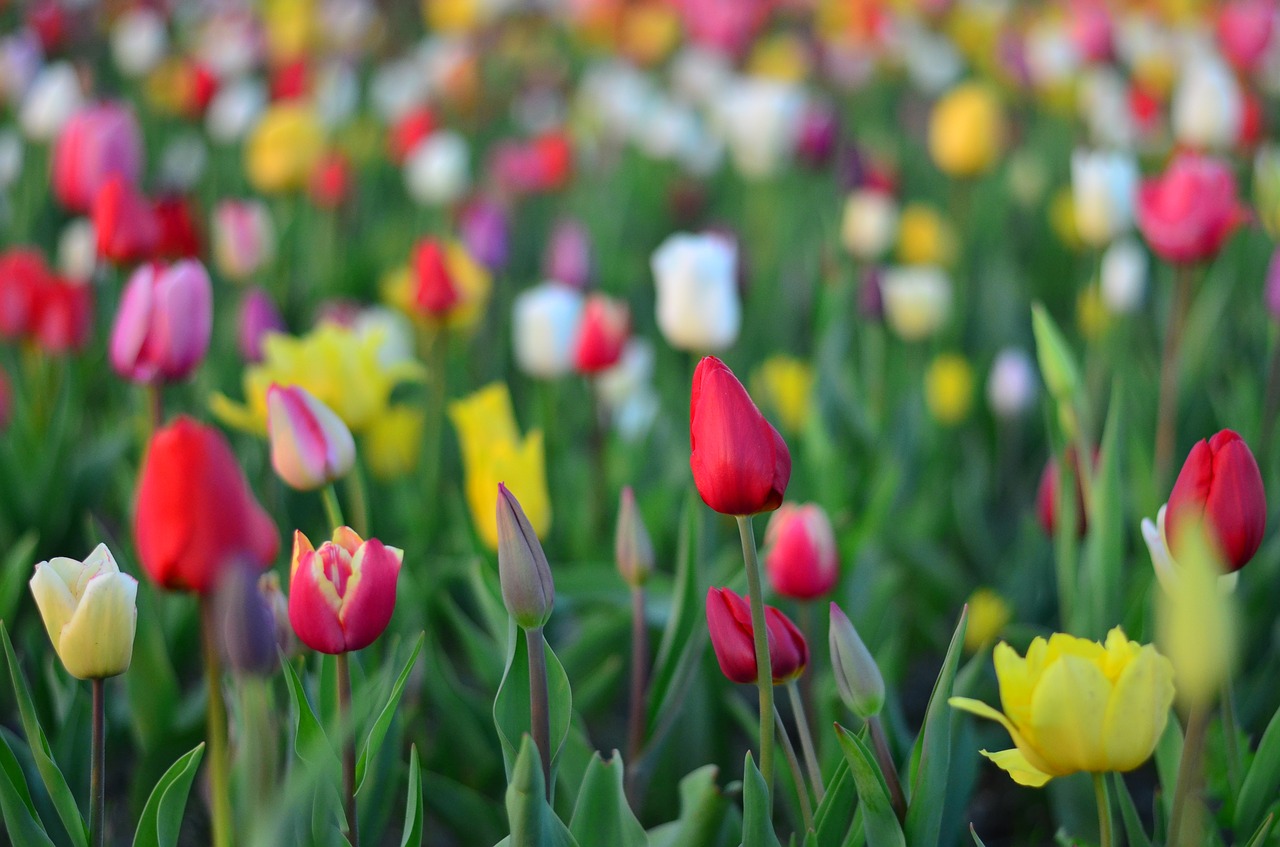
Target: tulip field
639, 423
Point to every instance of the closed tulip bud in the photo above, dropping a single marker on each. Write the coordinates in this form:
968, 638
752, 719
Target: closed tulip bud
1220, 486
733, 639
341, 596
162, 327
246, 623
1207, 105
527, 588
916, 300
310, 445
1188, 212
568, 256
90, 611
125, 222
602, 334
545, 321
195, 513
966, 130
438, 170
99, 142
740, 463
434, 291
244, 238
258, 317
697, 306
870, 223
1011, 384
1047, 496
632, 548
1103, 185
800, 552
858, 676
1123, 276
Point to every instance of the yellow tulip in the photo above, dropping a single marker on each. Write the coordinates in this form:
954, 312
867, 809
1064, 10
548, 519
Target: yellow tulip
453, 16
393, 442
1076, 705
650, 31
925, 237
291, 28
493, 452
948, 388
89, 609
988, 615
786, 385
966, 130
283, 148
781, 57
472, 280
340, 367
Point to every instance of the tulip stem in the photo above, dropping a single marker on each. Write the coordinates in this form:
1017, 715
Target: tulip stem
1167, 410
639, 680
1104, 809
760, 634
1184, 824
219, 770
332, 508
155, 405
797, 775
348, 749
539, 701
97, 772
357, 498
884, 757
806, 741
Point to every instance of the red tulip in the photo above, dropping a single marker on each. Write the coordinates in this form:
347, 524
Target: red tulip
800, 552
732, 637
23, 273
178, 226
341, 596
125, 222
97, 143
63, 317
196, 515
409, 131
1188, 212
740, 463
1047, 496
1220, 485
434, 291
602, 333
331, 181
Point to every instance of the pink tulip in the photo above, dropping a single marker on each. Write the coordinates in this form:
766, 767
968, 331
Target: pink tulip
603, 332
341, 596
1244, 31
568, 256
1188, 212
162, 327
97, 143
310, 445
243, 237
800, 552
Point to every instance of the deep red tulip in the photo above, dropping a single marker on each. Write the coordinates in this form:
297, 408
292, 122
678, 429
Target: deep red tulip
788, 652
1047, 496
740, 463
800, 552
63, 318
1188, 212
125, 222
23, 273
178, 225
1220, 485
434, 292
602, 333
732, 638
196, 515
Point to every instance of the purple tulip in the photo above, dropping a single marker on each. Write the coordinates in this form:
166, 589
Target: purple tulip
258, 316
819, 132
484, 228
163, 325
568, 256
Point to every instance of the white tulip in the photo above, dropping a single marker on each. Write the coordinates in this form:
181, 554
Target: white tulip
183, 160
438, 171
626, 390
1011, 384
54, 96
138, 41
697, 304
234, 110
90, 612
758, 119
870, 223
1207, 105
1103, 187
78, 250
545, 323
917, 300
1123, 276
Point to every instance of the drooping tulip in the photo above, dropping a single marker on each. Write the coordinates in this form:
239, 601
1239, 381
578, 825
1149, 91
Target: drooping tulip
800, 552
162, 328
1220, 487
90, 612
97, 143
342, 595
732, 638
310, 445
602, 334
1188, 212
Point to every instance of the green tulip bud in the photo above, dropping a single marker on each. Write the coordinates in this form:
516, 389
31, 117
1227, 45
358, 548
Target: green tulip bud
857, 675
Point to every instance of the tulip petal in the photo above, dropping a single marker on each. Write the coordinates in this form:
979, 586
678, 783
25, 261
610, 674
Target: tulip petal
1016, 765
1138, 710
98, 640
1068, 710
370, 597
53, 598
314, 618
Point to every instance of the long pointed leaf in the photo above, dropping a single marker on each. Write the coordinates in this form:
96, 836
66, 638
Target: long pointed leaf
511, 705
533, 823
162, 815
757, 822
20, 818
1261, 783
1133, 831
413, 802
882, 827
379, 730
602, 817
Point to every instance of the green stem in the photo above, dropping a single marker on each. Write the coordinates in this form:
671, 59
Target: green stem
97, 773
1104, 809
1167, 409
639, 678
539, 701
348, 749
806, 741
359, 500
884, 757
1183, 820
797, 776
1230, 734
219, 770
332, 509
155, 406
760, 633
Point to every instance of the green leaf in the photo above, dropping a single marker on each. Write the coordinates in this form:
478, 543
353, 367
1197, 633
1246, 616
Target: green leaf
1104, 547
162, 816
1057, 363
533, 823
20, 818
757, 810
1133, 831
929, 785
413, 803
1168, 757
54, 782
882, 827
602, 817
1264, 829
976, 840
379, 730
14, 573
681, 641
511, 705
702, 812
309, 739
1262, 781
831, 818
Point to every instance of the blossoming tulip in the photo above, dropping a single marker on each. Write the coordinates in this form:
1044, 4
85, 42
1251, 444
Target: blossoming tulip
162, 328
698, 307
1188, 212
99, 142
310, 445
1220, 485
729, 622
1076, 705
527, 588
341, 596
89, 609
602, 334
800, 552
195, 512
740, 463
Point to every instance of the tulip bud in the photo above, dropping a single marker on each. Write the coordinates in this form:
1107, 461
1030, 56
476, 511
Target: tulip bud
696, 276
1220, 485
89, 609
800, 552
527, 588
602, 334
568, 256
788, 650
310, 445
162, 328
733, 639
545, 321
434, 291
437, 171
1011, 384
246, 623
258, 317
740, 463
1047, 496
632, 548
857, 676
341, 596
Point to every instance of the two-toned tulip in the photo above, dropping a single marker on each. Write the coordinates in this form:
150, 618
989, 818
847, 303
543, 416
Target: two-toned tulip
310, 445
800, 552
341, 596
97, 143
90, 612
732, 638
164, 322
1220, 488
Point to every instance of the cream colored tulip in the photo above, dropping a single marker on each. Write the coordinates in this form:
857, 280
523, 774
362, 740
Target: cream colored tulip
90, 610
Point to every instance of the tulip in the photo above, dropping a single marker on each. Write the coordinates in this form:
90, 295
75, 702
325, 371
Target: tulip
870, 223
925, 237
246, 623
800, 552
125, 222
966, 130
195, 513
1047, 496
1011, 384
138, 41
435, 293
437, 171
1244, 31
97, 143
183, 162
258, 317
1188, 212
989, 614
1076, 705
243, 238
786, 385
341, 596
948, 388
484, 228
63, 317
310, 445
740, 463
545, 321
177, 221
732, 638
408, 131
1220, 486
632, 547
818, 134
162, 328
284, 148
234, 110
23, 274
697, 305
857, 675
1207, 105
568, 256
50, 101
917, 300
1122, 276
602, 334
528, 590
759, 119
89, 609
1103, 185
330, 182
